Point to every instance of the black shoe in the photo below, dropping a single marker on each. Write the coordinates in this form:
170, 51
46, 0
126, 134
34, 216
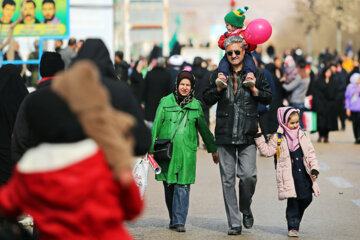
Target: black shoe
248, 221
234, 231
178, 228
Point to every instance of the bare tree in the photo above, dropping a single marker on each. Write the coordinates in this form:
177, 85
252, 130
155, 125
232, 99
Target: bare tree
310, 17
343, 12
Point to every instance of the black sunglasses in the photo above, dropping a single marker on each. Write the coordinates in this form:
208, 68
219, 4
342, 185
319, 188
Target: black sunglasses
230, 53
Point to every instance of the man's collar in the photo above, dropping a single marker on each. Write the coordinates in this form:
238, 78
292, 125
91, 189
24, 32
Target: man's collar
237, 72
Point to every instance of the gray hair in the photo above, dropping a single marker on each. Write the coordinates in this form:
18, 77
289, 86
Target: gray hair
233, 39
160, 62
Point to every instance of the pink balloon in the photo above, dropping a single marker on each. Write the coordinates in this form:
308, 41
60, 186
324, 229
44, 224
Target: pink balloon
258, 31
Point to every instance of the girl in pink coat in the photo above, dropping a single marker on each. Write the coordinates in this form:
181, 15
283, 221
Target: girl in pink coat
296, 165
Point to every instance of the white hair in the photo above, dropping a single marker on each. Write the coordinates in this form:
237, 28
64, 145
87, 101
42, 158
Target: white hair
234, 39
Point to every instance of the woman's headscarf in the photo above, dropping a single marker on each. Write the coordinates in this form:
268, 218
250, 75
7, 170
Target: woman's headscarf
354, 77
96, 51
183, 100
283, 115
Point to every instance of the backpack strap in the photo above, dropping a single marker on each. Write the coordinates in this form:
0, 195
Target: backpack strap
276, 157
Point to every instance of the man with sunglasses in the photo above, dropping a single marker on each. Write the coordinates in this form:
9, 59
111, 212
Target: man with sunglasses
236, 126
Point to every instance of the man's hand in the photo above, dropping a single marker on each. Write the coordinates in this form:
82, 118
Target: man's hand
259, 128
215, 157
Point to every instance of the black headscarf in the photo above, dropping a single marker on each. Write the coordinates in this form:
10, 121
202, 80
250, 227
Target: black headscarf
12, 93
181, 100
96, 51
50, 64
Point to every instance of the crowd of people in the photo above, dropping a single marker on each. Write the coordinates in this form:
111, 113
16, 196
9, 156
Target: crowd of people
89, 116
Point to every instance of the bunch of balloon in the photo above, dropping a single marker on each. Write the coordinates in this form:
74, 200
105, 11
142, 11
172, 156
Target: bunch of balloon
258, 31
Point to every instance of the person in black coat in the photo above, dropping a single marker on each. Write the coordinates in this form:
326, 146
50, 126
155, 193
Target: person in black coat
121, 99
12, 93
340, 75
202, 82
276, 71
23, 136
324, 103
157, 85
137, 81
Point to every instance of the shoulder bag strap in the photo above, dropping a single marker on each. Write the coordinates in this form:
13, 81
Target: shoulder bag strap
178, 126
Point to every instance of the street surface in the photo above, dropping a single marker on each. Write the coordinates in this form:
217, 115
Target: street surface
335, 214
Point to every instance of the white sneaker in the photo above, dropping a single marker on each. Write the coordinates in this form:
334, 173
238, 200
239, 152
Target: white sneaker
249, 83
293, 233
221, 83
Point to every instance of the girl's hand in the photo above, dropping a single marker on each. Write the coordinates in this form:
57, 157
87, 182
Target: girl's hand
215, 157
313, 177
259, 128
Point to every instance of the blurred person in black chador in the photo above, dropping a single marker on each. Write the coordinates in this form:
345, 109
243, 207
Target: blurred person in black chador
12, 93
121, 66
277, 72
8, 10
23, 135
264, 110
324, 103
137, 81
157, 86
202, 79
340, 75
155, 52
121, 96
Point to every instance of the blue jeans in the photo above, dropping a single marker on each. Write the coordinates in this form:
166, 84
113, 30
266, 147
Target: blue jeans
177, 202
249, 65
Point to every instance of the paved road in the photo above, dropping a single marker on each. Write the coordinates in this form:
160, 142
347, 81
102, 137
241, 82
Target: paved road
333, 215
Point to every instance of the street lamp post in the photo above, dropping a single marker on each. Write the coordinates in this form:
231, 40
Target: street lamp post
339, 9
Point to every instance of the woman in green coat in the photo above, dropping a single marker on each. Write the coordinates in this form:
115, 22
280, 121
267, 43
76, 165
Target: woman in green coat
181, 109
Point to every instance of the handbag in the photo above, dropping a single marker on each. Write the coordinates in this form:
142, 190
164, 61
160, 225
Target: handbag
163, 147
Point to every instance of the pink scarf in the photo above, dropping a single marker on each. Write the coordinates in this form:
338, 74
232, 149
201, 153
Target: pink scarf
292, 136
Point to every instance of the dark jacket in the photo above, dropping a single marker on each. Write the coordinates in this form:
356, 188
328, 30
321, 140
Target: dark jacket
23, 135
202, 81
324, 104
137, 84
237, 116
157, 86
121, 98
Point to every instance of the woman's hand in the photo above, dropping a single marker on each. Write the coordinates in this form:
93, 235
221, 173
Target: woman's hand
215, 157
348, 112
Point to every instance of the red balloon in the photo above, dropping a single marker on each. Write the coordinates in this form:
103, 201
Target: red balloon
258, 31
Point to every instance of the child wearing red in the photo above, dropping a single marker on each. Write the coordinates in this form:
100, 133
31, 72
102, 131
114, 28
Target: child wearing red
71, 193
234, 21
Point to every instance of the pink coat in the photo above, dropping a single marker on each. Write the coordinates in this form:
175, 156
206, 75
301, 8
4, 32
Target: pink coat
284, 178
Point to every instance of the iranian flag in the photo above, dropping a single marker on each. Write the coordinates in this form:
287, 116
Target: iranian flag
309, 120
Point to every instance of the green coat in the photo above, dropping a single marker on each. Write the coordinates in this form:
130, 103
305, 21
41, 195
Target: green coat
182, 166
